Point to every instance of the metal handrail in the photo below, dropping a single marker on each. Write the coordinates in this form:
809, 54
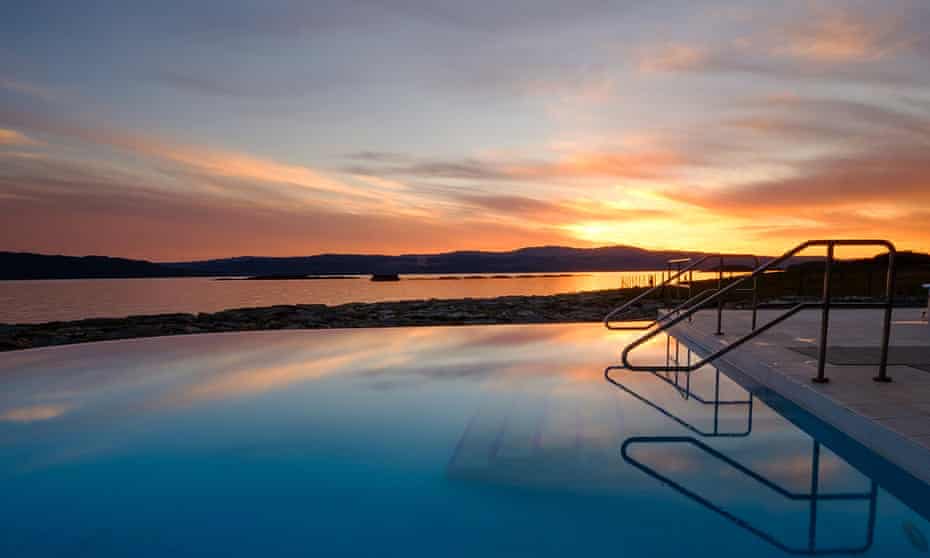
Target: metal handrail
824, 304
629, 304
670, 282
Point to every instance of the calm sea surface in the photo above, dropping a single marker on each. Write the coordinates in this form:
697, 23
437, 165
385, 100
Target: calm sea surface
72, 299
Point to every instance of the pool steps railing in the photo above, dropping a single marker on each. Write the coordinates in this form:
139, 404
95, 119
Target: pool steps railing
685, 311
672, 279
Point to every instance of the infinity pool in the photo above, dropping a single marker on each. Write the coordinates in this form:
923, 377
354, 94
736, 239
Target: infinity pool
465, 441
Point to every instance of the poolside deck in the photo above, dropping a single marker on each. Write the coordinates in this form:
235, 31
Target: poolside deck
892, 419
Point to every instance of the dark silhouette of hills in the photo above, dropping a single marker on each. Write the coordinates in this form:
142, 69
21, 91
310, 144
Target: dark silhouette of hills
545, 259
23, 265
525, 260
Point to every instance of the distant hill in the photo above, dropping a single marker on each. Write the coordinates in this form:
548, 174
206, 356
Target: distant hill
854, 277
545, 259
906, 260
524, 260
22, 265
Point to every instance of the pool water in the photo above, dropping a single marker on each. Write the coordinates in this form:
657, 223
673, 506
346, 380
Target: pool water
455, 441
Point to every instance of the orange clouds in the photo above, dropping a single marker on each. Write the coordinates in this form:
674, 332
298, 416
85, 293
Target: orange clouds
672, 58
630, 163
843, 36
646, 164
12, 137
34, 413
840, 45
183, 176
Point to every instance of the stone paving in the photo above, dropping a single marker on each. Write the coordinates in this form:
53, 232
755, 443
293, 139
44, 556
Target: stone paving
892, 419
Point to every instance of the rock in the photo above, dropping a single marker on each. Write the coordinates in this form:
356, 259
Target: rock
573, 307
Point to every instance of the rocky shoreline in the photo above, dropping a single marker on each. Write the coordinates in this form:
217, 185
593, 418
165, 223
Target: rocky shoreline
571, 307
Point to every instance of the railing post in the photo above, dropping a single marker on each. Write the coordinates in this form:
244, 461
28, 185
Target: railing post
667, 276
886, 326
720, 302
825, 318
755, 296
690, 287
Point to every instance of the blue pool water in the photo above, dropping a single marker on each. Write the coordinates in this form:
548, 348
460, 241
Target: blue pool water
469, 441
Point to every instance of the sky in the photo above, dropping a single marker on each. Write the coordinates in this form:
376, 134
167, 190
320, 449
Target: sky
178, 130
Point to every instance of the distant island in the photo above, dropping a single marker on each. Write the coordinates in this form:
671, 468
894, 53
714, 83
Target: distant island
545, 259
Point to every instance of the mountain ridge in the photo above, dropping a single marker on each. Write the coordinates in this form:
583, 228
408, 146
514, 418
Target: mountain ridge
531, 259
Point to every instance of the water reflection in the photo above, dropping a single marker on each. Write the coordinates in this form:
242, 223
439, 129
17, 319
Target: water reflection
814, 497
686, 393
506, 440
541, 440
73, 299
660, 457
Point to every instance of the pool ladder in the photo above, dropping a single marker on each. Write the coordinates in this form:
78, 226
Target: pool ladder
687, 309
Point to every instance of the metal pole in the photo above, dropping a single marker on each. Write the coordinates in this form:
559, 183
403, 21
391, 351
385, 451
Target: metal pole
690, 286
886, 327
720, 301
665, 276
755, 297
825, 319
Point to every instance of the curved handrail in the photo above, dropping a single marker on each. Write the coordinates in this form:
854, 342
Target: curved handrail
629, 304
665, 325
670, 281
696, 299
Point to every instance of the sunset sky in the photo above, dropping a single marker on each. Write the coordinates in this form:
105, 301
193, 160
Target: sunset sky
178, 130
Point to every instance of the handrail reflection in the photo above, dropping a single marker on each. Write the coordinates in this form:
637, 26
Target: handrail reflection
716, 402
813, 497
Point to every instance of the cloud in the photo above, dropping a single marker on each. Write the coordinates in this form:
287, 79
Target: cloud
630, 164
735, 60
34, 413
831, 124
75, 208
899, 175
216, 195
219, 170
844, 36
673, 57
12, 137
27, 88
848, 46
877, 155
554, 212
